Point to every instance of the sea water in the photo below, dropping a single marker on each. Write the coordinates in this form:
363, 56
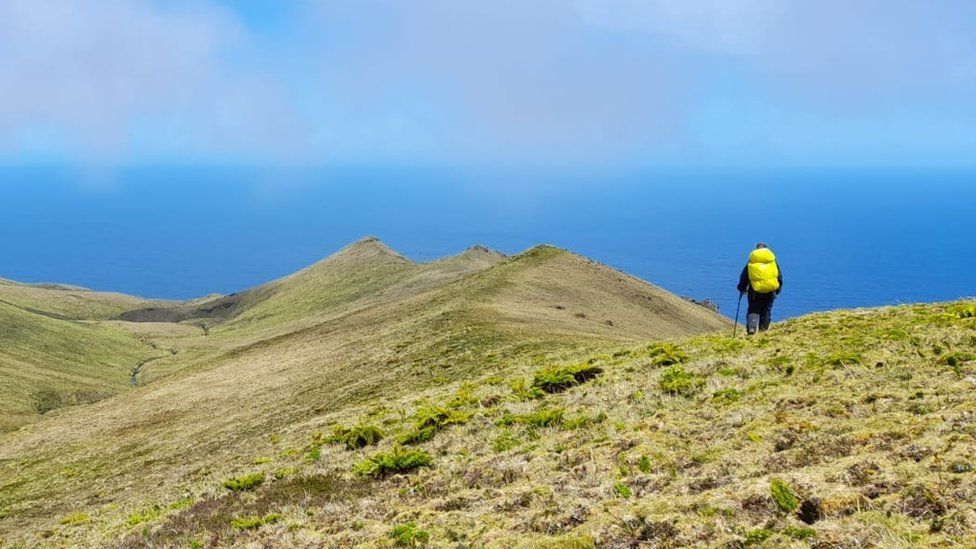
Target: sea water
844, 238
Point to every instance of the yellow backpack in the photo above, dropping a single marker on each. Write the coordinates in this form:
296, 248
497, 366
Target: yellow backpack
763, 271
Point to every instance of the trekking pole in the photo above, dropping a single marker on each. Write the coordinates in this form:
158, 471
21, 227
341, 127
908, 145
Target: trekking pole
736, 325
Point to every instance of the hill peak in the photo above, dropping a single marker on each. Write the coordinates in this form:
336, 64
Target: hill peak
478, 257
541, 252
368, 246
479, 250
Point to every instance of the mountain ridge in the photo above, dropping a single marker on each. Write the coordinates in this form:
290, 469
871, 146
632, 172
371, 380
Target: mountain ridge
368, 282
361, 327
834, 429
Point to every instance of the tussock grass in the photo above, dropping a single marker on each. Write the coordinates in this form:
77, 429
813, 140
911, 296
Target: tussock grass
245, 482
76, 519
430, 419
666, 354
397, 460
543, 417
409, 535
357, 436
556, 379
678, 381
251, 523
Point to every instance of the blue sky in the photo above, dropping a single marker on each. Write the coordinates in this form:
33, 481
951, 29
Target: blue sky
592, 83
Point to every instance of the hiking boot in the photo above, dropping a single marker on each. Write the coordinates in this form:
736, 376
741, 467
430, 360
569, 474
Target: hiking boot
752, 324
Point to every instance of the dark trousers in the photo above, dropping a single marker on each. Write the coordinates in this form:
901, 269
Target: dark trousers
760, 311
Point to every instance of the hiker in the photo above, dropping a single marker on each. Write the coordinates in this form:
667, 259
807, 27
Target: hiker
763, 280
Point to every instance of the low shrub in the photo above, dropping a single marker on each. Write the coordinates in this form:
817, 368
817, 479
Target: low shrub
439, 417
844, 359
357, 436
786, 499
956, 360
428, 420
522, 391
250, 523
622, 490
505, 441
463, 397
244, 483
582, 420
544, 417
757, 536
146, 515
181, 503
75, 519
727, 395
964, 310
283, 473
397, 460
417, 435
556, 379
678, 381
46, 400
799, 532
666, 354
409, 535
644, 464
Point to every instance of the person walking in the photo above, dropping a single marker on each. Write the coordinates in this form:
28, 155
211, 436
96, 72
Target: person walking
763, 280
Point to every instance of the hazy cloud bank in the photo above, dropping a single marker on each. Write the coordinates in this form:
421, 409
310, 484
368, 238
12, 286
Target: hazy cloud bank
590, 82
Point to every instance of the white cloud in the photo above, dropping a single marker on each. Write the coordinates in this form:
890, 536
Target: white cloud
839, 50
89, 75
500, 81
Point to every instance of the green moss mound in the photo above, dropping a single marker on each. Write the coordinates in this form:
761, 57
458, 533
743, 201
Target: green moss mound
785, 498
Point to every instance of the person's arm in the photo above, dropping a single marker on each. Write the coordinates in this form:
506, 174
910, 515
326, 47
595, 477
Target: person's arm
744, 280
780, 279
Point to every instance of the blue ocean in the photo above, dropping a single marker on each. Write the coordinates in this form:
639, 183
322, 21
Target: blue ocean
844, 238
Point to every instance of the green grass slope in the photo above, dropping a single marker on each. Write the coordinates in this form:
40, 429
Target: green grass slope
560, 292
363, 273
67, 302
843, 429
48, 363
846, 429
361, 328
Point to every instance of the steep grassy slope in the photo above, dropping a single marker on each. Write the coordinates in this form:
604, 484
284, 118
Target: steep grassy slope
51, 356
49, 363
845, 429
566, 293
363, 327
366, 271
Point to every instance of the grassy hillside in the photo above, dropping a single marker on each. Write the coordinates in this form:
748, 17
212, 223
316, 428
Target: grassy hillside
53, 355
851, 428
567, 293
67, 302
48, 363
363, 328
